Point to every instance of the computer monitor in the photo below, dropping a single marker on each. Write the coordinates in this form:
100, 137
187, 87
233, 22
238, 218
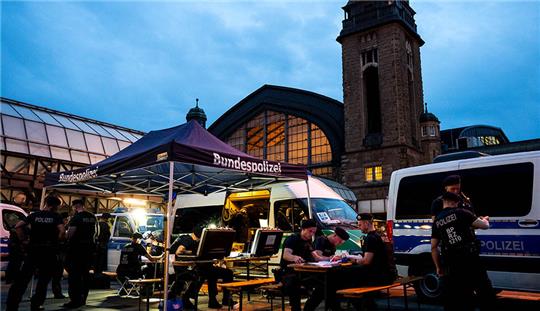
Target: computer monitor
215, 243
266, 242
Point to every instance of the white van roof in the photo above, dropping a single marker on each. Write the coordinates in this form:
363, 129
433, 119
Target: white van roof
298, 189
278, 191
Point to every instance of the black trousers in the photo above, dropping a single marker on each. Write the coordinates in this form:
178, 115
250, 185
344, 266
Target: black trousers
465, 282
78, 263
101, 259
41, 259
56, 282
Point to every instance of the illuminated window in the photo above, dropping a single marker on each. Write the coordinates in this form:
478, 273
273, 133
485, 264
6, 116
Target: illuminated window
373, 173
281, 137
489, 140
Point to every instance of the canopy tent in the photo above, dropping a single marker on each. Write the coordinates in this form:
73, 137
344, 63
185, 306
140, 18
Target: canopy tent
181, 159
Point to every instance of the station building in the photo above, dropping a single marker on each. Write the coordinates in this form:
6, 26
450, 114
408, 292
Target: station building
382, 124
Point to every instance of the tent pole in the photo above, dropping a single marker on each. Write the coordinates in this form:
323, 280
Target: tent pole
309, 199
168, 235
42, 200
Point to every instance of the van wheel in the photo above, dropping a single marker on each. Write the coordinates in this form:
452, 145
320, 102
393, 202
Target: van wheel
430, 288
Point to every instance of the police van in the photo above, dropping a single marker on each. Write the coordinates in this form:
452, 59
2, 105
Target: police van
11, 215
124, 222
504, 187
282, 205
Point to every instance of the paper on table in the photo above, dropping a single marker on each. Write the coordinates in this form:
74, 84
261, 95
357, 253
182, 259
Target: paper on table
325, 263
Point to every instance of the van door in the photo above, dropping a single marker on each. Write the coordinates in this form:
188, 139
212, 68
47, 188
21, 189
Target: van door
122, 231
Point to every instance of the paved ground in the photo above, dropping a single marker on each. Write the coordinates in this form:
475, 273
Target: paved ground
100, 299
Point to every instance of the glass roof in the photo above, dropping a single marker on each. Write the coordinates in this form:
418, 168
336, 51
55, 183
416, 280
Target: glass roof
40, 131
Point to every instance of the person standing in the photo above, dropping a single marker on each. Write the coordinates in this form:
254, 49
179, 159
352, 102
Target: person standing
102, 244
464, 272
451, 184
56, 282
46, 230
297, 248
81, 237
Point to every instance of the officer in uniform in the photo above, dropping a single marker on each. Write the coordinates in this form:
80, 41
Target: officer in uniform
102, 243
81, 237
460, 256
45, 229
451, 184
297, 248
325, 249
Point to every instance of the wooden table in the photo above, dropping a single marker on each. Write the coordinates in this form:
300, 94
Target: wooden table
310, 268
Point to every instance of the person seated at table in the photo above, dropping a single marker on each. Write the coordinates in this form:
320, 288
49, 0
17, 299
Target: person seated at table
188, 244
297, 249
376, 263
131, 266
325, 246
325, 249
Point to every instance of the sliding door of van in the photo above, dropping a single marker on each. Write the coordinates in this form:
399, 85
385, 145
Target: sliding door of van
511, 246
288, 215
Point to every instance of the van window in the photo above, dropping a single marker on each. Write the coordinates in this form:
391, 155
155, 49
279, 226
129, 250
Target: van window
289, 214
495, 191
122, 227
332, 211
10, 218
187, 218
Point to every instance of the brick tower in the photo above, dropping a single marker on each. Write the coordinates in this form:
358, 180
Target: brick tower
383, 97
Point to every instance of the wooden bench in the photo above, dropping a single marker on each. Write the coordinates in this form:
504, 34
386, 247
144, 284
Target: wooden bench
240, 287
359, 292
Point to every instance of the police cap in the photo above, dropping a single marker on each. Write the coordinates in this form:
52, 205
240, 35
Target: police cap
340, 232
137, 235
364, 216
77, 202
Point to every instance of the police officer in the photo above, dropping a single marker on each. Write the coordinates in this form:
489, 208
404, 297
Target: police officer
130, 265
451, 184
325, 249
462, 267
56, 283
81, 237
297, 248
45, 229
102, 243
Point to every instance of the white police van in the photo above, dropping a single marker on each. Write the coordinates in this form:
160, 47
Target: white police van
11, 215
124, 222
504, 187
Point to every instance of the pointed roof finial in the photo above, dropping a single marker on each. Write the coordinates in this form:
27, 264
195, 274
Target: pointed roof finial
425, 105
197, 102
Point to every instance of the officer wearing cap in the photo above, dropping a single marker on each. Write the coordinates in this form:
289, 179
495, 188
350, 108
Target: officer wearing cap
325, 248
81, 237
45, 229
130, 265
375, 266
464, 272
451, 184
297, 248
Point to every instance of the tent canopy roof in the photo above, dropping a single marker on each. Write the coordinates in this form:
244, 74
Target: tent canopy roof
201, 164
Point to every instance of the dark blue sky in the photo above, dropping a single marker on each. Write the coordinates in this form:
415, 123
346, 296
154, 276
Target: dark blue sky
142, 64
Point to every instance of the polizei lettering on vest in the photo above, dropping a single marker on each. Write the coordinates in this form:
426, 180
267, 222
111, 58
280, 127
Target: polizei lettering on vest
249, 166
73, 178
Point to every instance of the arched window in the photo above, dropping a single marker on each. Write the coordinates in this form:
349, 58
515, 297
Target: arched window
372, 97
278, 136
